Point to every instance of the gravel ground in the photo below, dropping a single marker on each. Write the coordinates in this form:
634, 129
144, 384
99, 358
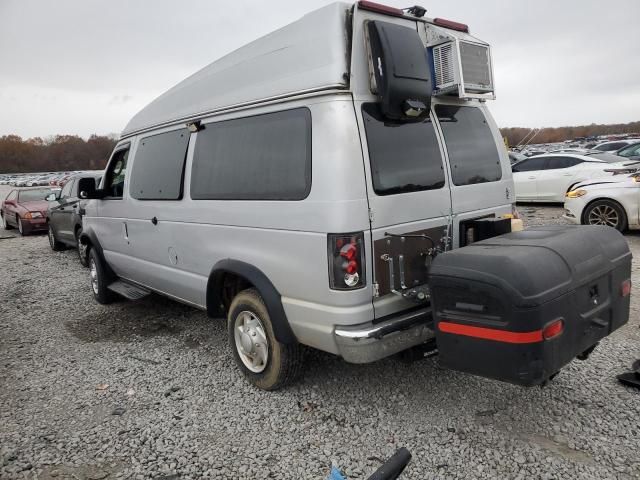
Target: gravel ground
150, 390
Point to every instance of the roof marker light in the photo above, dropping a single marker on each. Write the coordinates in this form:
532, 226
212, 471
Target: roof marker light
443, 22
379, 8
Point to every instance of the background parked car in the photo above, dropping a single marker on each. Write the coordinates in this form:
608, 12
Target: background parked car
631, 151
64, 216
547, 178
614, 145
515, 157
614, 202
25, 209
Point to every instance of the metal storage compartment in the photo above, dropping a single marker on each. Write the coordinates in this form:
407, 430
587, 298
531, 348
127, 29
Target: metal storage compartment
520, 306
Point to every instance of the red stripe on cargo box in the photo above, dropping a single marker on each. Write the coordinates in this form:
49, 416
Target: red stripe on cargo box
491, 333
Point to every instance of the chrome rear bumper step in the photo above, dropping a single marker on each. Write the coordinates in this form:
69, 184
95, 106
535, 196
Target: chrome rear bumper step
371, 341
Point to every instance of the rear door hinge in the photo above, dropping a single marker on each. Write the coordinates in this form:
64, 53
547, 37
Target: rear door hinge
370, 216
376, 290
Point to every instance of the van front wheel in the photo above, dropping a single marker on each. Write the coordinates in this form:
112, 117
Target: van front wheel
267, 363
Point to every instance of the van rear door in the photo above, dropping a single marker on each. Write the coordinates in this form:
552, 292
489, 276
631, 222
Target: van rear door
481, 180
409, 200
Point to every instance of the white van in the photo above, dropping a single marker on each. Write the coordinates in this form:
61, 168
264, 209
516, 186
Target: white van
303, 184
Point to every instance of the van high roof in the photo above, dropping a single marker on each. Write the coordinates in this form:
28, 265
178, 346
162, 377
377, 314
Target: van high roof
307, 55
313, 54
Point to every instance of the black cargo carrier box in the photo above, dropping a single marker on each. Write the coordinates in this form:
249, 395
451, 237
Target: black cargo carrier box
520, 306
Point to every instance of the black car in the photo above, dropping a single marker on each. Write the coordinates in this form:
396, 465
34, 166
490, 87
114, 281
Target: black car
64, 216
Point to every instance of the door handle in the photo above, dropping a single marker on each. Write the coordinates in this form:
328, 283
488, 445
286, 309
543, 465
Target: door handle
125, 231
532, 178
154, 220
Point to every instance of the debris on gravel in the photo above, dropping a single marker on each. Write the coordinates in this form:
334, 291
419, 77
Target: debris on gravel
176, 407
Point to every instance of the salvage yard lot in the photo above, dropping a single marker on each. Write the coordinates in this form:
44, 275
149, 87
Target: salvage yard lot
150, 390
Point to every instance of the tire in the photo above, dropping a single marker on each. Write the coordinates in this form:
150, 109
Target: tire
81, 249
5, 224
99, 279
270, 365
20, 226
55, 245
605, 212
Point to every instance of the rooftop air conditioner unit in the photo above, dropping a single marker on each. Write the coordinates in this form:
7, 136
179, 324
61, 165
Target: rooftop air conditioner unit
464, 69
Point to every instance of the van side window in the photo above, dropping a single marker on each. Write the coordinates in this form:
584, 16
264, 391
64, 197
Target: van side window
158, 166
264, 157
116, 173
404, 157
473, 154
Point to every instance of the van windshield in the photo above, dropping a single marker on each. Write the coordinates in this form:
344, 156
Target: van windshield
404, 157
473, 154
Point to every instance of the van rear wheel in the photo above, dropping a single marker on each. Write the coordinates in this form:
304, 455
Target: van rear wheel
267, 363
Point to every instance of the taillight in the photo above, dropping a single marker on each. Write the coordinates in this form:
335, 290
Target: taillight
552, 330
625, 288
346, 260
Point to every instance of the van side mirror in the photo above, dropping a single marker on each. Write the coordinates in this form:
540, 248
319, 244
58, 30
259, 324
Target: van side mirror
399, 70
87, 189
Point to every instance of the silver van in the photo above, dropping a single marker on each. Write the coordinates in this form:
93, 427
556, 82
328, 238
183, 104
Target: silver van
303, 184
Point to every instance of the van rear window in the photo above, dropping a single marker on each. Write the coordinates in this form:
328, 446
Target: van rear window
473, 154
263, 157
404, 157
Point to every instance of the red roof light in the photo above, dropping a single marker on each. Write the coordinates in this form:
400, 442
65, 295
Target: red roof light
379, 8
443, 22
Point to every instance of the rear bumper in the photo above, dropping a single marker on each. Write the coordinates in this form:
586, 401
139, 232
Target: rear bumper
368, 342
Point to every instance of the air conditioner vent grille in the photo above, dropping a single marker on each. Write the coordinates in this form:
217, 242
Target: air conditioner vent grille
444, 64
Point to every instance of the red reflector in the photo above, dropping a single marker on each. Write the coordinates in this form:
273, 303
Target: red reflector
352, 267
460, 27
625, 288
504, 336
379, 8
553, 329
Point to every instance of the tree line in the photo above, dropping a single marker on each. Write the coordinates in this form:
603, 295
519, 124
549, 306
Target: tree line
71, 152
514, 135
57, 153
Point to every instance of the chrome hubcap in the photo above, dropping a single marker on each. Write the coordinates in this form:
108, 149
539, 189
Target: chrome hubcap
604, 215
94, 276
251, 341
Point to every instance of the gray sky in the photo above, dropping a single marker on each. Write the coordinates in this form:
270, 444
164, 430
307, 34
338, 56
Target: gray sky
86, 66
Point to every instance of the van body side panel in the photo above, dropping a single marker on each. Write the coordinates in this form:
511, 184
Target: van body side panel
286, 240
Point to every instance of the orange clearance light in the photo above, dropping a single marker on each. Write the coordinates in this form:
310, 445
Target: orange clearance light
625, 288
554, 329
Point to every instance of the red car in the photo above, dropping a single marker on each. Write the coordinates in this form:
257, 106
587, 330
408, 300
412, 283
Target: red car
26, 209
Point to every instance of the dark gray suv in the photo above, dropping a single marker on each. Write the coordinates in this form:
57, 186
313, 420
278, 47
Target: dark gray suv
64, 216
